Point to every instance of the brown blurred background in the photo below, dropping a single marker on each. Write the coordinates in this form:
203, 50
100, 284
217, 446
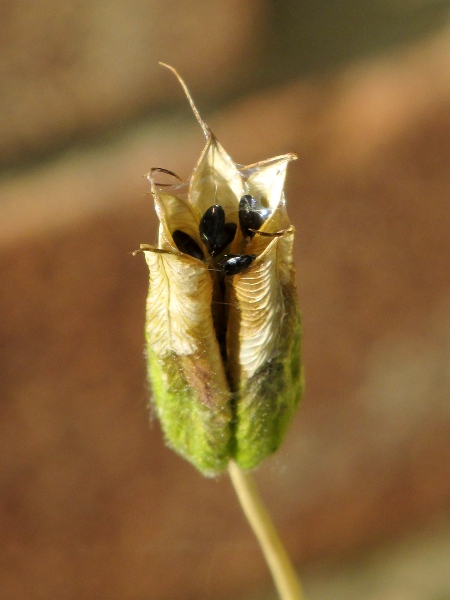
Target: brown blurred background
92, 505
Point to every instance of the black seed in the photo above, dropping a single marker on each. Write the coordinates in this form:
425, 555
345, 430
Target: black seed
229, 232
248, 202
251, 215
211, 228
232, 264
186, 244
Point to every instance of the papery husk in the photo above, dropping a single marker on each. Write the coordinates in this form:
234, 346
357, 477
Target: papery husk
190, 389
263, 343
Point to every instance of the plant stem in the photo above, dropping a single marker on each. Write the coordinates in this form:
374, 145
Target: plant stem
283, 573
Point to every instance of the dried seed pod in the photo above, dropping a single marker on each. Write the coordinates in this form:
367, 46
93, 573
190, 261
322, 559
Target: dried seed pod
223, 333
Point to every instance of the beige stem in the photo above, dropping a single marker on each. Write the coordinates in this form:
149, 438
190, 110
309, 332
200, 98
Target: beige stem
283, 573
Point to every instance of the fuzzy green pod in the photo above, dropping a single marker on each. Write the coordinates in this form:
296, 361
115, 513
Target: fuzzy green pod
223, 323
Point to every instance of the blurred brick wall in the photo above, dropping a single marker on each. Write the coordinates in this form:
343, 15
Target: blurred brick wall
92, 504
76, 68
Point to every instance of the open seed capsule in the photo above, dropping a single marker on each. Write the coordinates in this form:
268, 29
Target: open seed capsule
223, 332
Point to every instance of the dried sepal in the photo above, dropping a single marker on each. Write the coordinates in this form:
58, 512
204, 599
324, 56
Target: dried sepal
190, 389
264, 351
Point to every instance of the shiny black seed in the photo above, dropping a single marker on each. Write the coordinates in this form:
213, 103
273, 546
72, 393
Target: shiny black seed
248, 202
211, 228
251, 215
186, 244
232, 264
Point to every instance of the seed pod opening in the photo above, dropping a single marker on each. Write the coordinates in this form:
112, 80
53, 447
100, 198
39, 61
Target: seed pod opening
223, 323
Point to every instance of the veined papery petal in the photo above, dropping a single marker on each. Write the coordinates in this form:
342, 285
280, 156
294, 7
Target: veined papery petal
257, 309
255, 316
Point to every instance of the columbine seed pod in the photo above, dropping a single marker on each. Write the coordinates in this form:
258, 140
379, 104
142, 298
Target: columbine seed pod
223, 323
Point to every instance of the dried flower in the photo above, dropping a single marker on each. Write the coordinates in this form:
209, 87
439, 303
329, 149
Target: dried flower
223, 323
